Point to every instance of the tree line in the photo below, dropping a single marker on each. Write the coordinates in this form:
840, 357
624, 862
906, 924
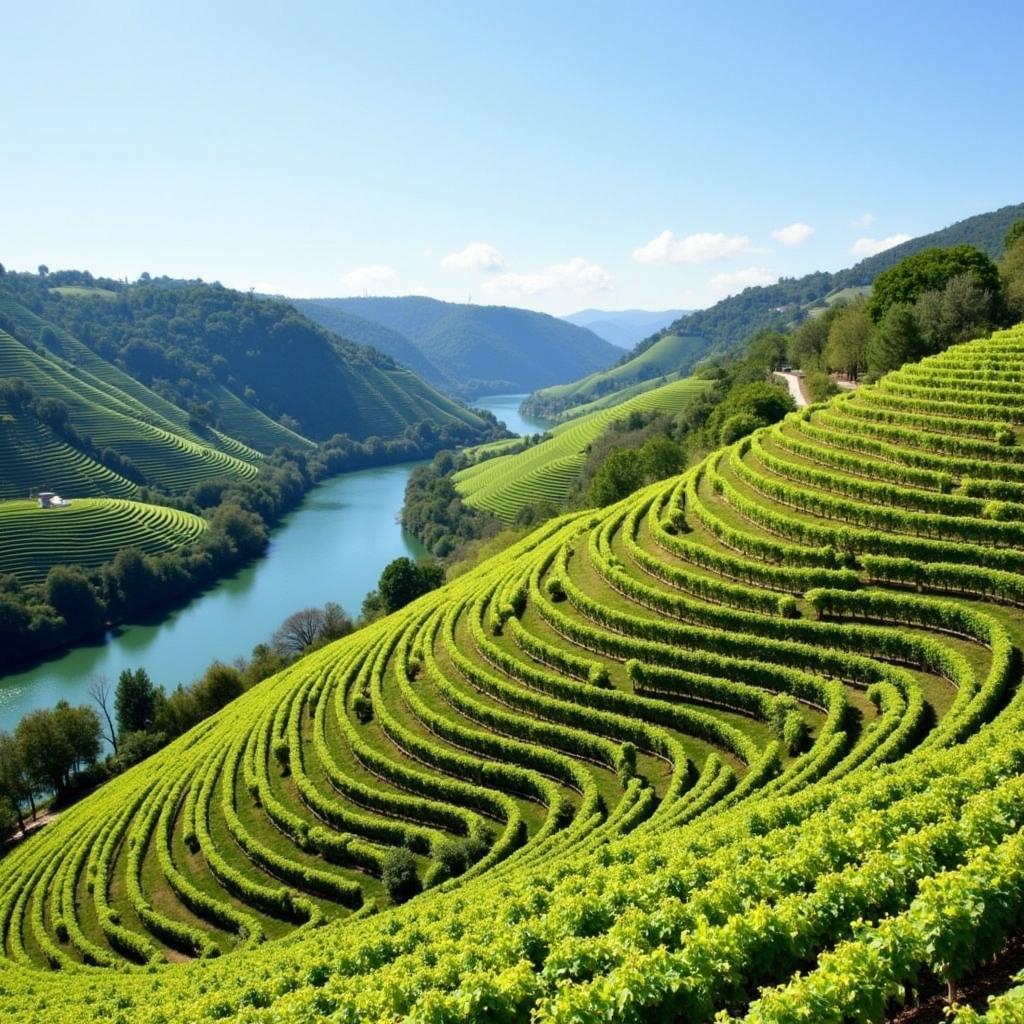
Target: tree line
919, 307
74, 602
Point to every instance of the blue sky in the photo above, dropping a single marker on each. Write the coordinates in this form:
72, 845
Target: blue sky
554, 156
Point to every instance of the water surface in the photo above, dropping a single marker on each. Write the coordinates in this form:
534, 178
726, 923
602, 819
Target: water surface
332, 548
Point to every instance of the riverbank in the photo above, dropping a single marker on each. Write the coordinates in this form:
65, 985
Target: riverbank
331, 548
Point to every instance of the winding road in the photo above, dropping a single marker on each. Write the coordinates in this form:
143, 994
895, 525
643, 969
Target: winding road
796, 388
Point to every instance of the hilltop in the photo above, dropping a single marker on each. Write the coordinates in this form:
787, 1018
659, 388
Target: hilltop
725, 325
480, 349
736, 744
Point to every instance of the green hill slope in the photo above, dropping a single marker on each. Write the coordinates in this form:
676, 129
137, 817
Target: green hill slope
548, 471
747, 743
253, 369
370, 332
109, 420
33, 457
482, 349
89, 532
729, 322
664, 357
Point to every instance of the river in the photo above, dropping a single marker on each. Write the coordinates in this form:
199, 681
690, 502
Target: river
332, 548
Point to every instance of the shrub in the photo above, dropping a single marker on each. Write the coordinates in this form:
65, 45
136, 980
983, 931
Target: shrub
398, 875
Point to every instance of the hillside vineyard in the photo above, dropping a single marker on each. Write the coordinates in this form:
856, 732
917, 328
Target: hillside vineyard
750, 742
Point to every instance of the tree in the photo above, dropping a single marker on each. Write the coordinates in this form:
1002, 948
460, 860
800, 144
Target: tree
806, 345
738, 425
620, 475
930, 270
848, 340
398, 875
81, 730
220, 685
896, 341
1014, 236
69, 592
99, 692
15, 783
661, 457
300, 630
403, 580
45, 753
1011, 273
135, 701
337, 623
56, 743
962, 310
43, 270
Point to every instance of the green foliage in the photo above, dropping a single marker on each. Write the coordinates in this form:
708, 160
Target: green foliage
747, 742
398, 875
135, 701
927, 271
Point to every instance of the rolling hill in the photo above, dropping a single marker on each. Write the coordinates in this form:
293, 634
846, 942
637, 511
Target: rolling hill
624, 327
253, 368
369, 332
480, 349
731, 321
173, 383
547, 471
102, 419
746, 746
664, 357
89, 532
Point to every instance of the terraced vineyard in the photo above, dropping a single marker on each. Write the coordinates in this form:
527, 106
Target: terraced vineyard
34, 458
170, 459
664, 356
749, 743
88, 532
548, 470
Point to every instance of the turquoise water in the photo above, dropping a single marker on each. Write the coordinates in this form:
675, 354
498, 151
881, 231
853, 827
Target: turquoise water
506, 408
330, 549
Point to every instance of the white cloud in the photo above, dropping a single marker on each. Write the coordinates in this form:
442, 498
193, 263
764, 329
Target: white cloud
734, 281
576, 275
865, 220
369, 279
793, 234
873, 246
476, 256
700, 248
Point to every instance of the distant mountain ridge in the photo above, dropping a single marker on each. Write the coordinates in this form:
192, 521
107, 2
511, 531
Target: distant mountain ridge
477, 349
624, 327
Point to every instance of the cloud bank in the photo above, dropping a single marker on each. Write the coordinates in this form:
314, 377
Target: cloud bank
576, 275
793, 234
476, 256
873, 246
705, 247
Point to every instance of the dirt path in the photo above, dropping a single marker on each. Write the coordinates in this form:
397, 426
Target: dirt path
34, 825
796, 388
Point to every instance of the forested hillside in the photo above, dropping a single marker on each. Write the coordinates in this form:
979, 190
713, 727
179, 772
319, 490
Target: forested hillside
744, 746
253, 368
728, 323
481, 349
369, 332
